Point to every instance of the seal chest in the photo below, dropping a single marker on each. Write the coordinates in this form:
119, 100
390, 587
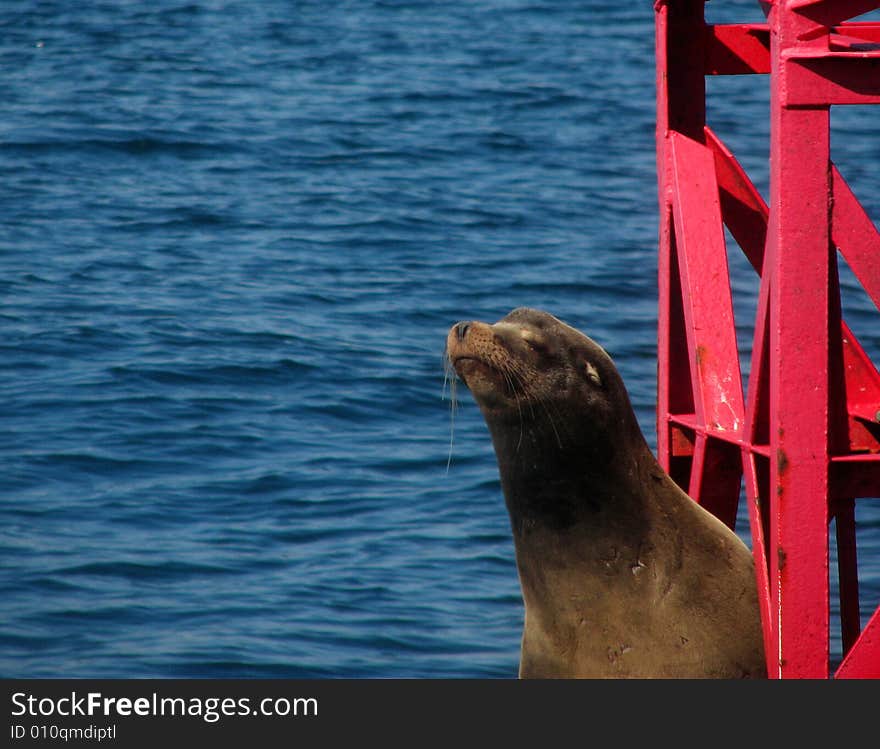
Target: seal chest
622, 574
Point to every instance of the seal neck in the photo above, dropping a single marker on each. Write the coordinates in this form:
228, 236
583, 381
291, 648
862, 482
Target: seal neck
556, 478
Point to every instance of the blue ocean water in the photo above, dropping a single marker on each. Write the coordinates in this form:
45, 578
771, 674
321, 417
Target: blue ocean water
232, 239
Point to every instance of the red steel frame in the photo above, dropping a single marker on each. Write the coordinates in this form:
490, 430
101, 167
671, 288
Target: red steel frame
804, 437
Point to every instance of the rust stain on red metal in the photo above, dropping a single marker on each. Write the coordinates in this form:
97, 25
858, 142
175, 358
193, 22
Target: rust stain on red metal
781, 462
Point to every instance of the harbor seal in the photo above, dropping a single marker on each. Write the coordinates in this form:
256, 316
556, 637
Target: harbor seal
622, 574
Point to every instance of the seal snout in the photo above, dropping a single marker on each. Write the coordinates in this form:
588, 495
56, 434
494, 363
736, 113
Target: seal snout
463, 340
468, 347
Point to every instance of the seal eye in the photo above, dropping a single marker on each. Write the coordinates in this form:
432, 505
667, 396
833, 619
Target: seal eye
536, 345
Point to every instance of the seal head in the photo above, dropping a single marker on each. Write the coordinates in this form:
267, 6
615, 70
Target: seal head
553, 401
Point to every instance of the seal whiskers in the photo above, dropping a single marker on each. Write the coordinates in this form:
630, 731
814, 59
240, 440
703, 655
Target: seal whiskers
517, 378
450, 382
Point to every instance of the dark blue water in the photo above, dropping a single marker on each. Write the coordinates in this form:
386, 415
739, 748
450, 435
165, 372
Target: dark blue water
232, 239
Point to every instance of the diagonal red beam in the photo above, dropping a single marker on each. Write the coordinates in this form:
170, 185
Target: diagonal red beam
855, 234
706, 287
859, 242
744, 210
831, 12
737, 49
863, 659
709, 327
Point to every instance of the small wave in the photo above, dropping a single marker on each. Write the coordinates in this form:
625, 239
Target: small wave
113, 615
312, 535
53, 585
189, 667
583, 288
136, 571
221, 374
548, 100
264, 485
132, 146
94, 463
25, 643
506, 141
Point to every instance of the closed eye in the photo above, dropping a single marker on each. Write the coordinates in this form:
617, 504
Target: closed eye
535, 344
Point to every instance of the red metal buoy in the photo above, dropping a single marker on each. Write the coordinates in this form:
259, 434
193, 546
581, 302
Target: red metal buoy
803, 434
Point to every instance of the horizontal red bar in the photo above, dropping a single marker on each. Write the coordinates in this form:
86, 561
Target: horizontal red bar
847, 43
861, 31
686, 427
838, 78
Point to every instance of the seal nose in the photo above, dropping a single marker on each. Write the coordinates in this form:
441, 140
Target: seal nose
461, 330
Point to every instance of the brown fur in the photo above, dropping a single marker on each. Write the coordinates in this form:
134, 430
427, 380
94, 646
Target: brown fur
622, 574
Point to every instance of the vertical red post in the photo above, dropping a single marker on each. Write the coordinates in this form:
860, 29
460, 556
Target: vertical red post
798, 251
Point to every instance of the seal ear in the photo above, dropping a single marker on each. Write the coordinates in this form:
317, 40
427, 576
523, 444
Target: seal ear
592, 373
